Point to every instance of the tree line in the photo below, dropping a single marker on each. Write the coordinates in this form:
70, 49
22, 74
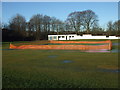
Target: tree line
39, 26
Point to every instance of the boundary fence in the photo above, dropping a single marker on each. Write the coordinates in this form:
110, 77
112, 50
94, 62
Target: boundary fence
107, 46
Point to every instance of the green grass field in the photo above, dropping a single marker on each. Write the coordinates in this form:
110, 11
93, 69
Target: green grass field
46, 68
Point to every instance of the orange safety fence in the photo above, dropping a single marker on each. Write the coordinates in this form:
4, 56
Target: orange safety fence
67, 47
92, 42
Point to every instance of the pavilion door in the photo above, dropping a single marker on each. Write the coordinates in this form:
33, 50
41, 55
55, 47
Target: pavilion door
58, 37
66, 37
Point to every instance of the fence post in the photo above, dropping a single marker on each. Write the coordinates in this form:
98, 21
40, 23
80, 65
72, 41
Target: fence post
110, 45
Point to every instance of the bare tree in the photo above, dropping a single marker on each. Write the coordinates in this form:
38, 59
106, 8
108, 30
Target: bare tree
67, 27
18, 23
35, 25
82, 20
74, 20
109, 28
116, 27
46, 23
57, 25
53, 21
89, 18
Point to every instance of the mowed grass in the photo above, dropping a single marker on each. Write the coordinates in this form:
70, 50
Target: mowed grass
37, 69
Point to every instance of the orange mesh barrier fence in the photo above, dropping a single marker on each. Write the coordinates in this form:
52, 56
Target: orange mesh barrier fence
66, 47
92, 42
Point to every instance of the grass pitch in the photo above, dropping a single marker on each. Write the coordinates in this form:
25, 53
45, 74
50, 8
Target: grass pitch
46, 68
